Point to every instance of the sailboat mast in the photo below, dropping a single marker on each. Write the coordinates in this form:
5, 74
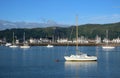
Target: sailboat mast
13, 37
24, 37
77, 33
107, 36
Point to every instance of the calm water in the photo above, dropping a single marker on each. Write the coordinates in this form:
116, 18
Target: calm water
40, 62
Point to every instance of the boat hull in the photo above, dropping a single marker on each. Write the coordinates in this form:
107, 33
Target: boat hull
80, 58
8, 44
49, 46
24, 46
108, 47
13, 46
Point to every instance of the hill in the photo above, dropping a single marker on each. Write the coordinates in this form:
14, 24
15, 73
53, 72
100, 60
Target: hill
89, 31
9, 25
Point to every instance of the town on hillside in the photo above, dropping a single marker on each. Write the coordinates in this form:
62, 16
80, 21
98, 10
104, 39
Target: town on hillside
65, 41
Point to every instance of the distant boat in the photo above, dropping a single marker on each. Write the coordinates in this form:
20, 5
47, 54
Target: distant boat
49, 46
79, 56
25, 45
107, 46
13, 46
8, 44
13, 43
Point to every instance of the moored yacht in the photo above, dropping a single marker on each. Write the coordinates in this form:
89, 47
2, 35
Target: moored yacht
13, 43
25, 45
79, 56
49, 46
107, 46
8, 44
13, 46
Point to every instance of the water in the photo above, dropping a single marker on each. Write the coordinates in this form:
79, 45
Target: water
40, 62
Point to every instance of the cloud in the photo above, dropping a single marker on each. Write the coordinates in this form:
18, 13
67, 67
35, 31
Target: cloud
102, 19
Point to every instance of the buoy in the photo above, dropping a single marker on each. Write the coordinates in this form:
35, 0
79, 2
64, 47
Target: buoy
57, 60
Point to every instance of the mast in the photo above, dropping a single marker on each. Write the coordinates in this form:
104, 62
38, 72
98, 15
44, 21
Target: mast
13, 38
107, 36
24, 37
76, 32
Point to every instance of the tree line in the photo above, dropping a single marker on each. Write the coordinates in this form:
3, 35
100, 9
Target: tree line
88, 30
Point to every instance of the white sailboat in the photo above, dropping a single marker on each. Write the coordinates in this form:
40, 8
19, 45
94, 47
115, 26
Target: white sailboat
81, 56
49, 46
13, 43
25, 45
8, 44
107, 46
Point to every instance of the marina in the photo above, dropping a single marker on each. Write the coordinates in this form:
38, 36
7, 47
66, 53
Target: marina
43, 62
44, 39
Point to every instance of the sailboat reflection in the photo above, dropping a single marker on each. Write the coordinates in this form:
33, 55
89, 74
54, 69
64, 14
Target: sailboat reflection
80, 69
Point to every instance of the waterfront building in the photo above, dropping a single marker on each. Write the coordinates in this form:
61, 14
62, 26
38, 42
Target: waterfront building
81, 40
62, 41
0, 41
98, 39
33, 41
17, 41
117, 40
105, 40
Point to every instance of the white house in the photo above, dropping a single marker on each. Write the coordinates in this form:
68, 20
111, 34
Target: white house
98, 39
62, 40
117, 40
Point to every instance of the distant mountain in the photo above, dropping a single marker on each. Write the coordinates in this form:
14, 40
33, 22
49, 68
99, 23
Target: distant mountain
89, 31
9, 25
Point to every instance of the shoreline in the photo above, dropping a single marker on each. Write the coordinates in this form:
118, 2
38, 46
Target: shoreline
73, 44
70, 44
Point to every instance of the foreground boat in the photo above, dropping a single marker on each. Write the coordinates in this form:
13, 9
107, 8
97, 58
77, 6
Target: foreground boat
79, 56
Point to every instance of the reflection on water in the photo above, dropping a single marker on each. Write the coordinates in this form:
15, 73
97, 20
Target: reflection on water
39, 62
80, 69
108, 50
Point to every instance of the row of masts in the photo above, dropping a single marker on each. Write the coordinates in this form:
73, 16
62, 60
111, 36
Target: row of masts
13, 42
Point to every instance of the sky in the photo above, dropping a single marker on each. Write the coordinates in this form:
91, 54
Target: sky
61, 11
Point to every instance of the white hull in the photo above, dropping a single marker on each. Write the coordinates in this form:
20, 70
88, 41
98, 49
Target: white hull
82, 57
13, 46
108, 47
49, 46
24, 46
8, 44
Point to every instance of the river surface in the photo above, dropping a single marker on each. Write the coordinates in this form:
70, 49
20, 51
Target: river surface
43, 62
